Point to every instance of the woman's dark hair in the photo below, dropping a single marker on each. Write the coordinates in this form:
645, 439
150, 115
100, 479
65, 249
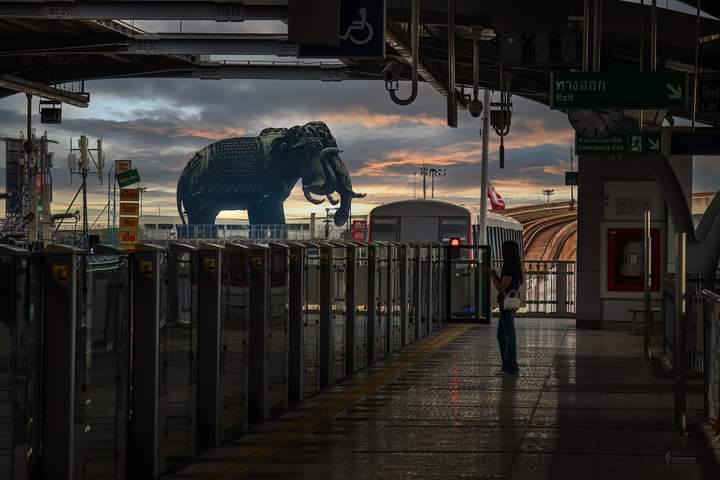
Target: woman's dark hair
511, 258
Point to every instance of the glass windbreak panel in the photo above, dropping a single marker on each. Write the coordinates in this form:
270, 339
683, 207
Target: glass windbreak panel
107, 355
12, 365
235, 318
278, 345
385, 228
180, 350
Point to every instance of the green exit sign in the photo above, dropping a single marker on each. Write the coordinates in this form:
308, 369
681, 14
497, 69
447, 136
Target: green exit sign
580, 90
128, 178
648, 143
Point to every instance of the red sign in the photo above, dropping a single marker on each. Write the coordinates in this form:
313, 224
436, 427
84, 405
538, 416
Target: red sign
122, 166
625, 262
358, 230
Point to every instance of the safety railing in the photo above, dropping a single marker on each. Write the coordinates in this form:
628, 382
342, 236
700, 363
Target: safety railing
663, 341
196, 234
711, 321
548, 289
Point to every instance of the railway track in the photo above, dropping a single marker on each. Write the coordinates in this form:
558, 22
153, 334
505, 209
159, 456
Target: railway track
546, 238
549, 231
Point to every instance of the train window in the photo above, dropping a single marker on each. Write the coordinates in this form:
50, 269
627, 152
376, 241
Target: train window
419, 229
385, 228
453, 227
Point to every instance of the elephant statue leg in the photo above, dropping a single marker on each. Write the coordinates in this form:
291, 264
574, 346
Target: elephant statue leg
268, 219
200, 222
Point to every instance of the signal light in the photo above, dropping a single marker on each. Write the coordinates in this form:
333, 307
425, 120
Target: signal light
455, 247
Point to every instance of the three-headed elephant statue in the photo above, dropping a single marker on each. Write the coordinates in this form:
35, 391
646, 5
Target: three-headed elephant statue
257, 174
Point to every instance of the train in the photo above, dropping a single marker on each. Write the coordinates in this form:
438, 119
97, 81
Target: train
434, 221
437, 221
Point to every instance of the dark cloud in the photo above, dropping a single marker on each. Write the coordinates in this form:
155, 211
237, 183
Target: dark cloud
160, 123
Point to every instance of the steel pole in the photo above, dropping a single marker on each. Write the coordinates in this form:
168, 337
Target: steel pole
31, 169
572, 187
482, 228
647, 289
679, 348
696, 66
653, 36
452, 118
586, 36
424, 181
597, 34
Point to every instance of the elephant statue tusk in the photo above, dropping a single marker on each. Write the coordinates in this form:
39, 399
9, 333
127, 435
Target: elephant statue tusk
333, 199
330, 151
358, 195
311, 199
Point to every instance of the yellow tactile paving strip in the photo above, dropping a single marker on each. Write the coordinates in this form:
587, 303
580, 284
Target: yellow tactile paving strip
247, 457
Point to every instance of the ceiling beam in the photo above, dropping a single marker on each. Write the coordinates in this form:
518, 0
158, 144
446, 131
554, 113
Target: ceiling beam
225, 11
38, 89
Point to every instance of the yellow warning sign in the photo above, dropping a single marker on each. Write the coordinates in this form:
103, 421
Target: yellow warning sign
60, 274
146, 267
256, 262
209, 265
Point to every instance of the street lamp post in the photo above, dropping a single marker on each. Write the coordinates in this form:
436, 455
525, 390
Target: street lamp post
435, 172
548, 192
141, 190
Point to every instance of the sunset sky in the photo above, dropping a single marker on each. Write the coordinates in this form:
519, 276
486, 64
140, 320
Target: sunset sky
160, 123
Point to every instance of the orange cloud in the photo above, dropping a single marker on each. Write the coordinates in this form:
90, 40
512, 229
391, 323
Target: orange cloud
362, 116
355, 115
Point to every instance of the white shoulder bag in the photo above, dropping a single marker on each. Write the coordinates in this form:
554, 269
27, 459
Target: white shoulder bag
511, 301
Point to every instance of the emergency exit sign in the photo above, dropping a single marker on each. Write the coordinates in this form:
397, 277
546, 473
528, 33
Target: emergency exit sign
581, 90
645, 143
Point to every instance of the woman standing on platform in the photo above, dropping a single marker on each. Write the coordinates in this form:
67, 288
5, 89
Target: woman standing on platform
508, 285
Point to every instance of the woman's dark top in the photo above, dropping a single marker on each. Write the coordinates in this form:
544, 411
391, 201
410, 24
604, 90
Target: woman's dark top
514, 282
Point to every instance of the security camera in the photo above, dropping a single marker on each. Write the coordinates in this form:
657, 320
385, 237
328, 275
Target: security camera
392, 71
475, 107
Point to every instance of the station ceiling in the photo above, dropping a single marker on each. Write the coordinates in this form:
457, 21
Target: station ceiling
56, 43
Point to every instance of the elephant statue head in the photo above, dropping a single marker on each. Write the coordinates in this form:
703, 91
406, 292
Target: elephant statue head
322, 172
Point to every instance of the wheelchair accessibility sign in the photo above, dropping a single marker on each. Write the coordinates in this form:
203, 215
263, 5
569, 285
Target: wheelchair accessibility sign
361, 32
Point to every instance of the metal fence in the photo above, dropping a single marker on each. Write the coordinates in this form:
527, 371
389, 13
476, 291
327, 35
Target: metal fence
549, 288
163, 234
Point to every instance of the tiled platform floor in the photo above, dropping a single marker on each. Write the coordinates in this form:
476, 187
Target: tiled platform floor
585, 406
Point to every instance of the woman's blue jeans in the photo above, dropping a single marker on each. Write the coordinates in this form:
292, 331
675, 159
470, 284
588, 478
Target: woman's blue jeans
507, 340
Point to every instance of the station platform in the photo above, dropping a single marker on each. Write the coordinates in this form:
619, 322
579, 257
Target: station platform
585, 405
